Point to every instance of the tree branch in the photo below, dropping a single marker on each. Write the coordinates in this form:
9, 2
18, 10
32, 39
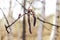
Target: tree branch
5, 16
47, 22
5, 19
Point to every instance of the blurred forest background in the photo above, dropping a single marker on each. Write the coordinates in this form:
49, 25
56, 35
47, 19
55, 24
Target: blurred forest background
20, 28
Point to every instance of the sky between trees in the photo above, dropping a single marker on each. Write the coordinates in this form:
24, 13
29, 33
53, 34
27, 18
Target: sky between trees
4, 4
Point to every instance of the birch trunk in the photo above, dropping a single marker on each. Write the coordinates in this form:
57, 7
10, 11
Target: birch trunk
10, 20
40, 29
54, 28
54, 31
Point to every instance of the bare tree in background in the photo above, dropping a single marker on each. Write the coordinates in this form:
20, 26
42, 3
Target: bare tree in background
54, 32
10, 20
40, 29
24, 23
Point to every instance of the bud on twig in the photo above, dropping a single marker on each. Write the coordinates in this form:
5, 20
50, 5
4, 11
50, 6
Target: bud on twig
19, 15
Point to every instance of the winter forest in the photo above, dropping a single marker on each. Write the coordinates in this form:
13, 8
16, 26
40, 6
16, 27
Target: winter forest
29, 20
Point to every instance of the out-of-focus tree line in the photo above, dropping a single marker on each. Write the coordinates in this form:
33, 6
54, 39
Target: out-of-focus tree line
15, 29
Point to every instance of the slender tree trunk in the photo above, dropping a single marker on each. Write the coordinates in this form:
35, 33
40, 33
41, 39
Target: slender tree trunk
40, 29
54, 31
10, 36
54, 28
24, 24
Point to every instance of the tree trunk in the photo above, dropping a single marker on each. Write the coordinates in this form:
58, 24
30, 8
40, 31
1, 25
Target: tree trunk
54, 28
10, 36
40, 29
54, 31
24, 24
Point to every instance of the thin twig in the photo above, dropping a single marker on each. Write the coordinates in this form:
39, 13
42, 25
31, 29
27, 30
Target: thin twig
6, 20
16, 20
47, 22
5, 16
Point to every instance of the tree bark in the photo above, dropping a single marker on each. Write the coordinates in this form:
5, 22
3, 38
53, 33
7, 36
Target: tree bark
40, 29
24, 24
55, 28
10, 36
54, 31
